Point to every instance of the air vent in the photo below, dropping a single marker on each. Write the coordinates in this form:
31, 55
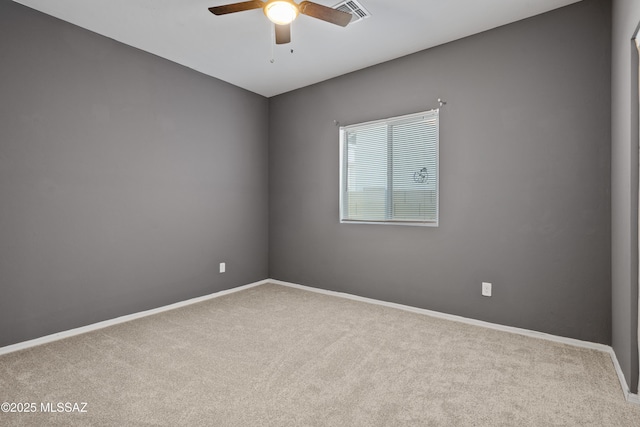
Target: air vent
358, 13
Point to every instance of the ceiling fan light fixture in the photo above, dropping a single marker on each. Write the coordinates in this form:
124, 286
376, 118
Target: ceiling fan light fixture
281, 12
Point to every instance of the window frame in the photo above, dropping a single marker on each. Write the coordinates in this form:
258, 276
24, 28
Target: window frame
424, 115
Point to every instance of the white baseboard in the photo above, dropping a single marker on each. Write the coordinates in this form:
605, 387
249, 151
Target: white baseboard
630, 397
95, 326
633, 398
469, 321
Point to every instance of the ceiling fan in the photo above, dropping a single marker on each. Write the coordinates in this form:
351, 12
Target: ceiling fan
283, 12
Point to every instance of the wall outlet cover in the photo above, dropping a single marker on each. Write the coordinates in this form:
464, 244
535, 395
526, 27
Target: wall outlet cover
486, 289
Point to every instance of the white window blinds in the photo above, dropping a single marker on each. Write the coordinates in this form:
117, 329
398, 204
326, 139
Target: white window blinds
390, 170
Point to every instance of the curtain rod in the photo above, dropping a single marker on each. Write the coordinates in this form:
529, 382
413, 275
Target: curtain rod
441, 104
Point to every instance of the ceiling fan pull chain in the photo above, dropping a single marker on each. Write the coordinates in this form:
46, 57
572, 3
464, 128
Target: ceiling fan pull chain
273, 41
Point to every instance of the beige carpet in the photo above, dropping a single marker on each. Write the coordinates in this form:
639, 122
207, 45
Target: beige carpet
277, 356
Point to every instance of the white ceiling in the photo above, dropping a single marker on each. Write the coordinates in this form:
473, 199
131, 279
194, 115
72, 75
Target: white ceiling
237, 48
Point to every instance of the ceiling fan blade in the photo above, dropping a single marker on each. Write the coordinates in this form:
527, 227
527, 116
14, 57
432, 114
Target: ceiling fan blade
283, 33
236, 7
324, 13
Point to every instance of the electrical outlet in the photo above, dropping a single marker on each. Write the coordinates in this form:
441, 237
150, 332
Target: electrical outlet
486, 289
223, 267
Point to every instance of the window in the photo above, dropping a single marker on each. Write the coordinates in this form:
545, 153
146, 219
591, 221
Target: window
389, 171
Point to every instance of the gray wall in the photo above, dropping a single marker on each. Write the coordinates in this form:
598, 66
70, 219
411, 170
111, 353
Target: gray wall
524, 170
124, 179
624, 197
